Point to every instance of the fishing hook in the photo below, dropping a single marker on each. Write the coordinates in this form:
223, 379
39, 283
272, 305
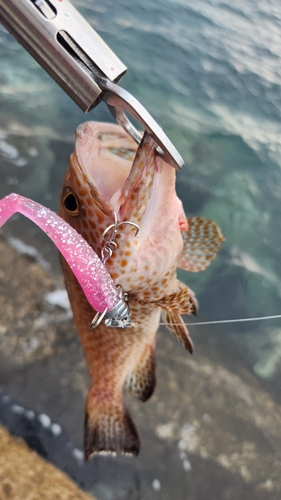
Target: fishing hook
110, 245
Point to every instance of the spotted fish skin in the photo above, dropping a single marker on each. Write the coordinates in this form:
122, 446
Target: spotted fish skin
101, 179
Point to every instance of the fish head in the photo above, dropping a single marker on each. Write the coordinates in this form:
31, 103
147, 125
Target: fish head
110, 179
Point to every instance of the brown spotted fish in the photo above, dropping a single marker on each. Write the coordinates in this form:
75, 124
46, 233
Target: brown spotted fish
107, 176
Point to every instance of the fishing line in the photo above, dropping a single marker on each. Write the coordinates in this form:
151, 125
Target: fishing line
223, 321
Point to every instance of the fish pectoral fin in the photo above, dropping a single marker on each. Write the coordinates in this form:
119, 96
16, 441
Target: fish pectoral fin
175, 324
109, 428
183, 300
201, 244
141, 381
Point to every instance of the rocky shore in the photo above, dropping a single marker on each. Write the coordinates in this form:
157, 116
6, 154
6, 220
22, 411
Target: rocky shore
212, 425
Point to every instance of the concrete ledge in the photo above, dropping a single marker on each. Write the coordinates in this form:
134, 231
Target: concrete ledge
26, 476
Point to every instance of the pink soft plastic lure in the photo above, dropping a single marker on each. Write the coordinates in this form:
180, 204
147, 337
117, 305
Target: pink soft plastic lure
93, 277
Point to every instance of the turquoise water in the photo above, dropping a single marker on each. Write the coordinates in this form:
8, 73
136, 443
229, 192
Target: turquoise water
210, 74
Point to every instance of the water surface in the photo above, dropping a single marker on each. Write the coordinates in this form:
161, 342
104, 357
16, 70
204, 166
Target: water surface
210, 73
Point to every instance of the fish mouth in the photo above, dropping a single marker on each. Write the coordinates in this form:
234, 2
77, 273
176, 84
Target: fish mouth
125, 178
106, 153
137, 186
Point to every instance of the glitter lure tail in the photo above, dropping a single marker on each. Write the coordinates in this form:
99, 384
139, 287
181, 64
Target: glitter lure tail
93, 277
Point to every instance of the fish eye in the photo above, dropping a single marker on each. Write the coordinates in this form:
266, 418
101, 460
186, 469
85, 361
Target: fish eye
70, 203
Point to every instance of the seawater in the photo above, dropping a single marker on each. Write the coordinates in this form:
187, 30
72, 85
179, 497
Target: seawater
210, 74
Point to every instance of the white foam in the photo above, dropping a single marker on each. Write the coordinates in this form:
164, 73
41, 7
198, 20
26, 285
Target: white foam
8, 150
187, 465
156, 485
206, 417
19, 410
29, 414
33, 151
243, 259
165, 431
20, 162
44, 420
58, 298
79, 455
31, 344
56, 429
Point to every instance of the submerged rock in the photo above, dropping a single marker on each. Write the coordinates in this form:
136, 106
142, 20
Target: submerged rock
31, 327
212, 425
224, 417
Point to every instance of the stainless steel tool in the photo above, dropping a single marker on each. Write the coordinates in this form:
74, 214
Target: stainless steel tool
76, 57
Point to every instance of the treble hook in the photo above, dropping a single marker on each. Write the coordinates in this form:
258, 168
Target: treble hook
131, 223
116, 226
112, 226
110, 245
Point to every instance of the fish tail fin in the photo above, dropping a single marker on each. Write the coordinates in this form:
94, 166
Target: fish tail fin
109, 428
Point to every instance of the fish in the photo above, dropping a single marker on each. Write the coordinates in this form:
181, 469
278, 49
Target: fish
111, 179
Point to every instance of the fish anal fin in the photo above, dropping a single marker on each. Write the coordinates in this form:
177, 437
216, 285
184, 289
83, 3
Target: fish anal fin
201, 244
141, 381
175, 324
109, 429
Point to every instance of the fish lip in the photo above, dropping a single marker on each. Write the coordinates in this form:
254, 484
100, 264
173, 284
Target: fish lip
122, 186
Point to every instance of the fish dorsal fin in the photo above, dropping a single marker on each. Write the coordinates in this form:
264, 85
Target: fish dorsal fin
201, 244
141, 382
175, 324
